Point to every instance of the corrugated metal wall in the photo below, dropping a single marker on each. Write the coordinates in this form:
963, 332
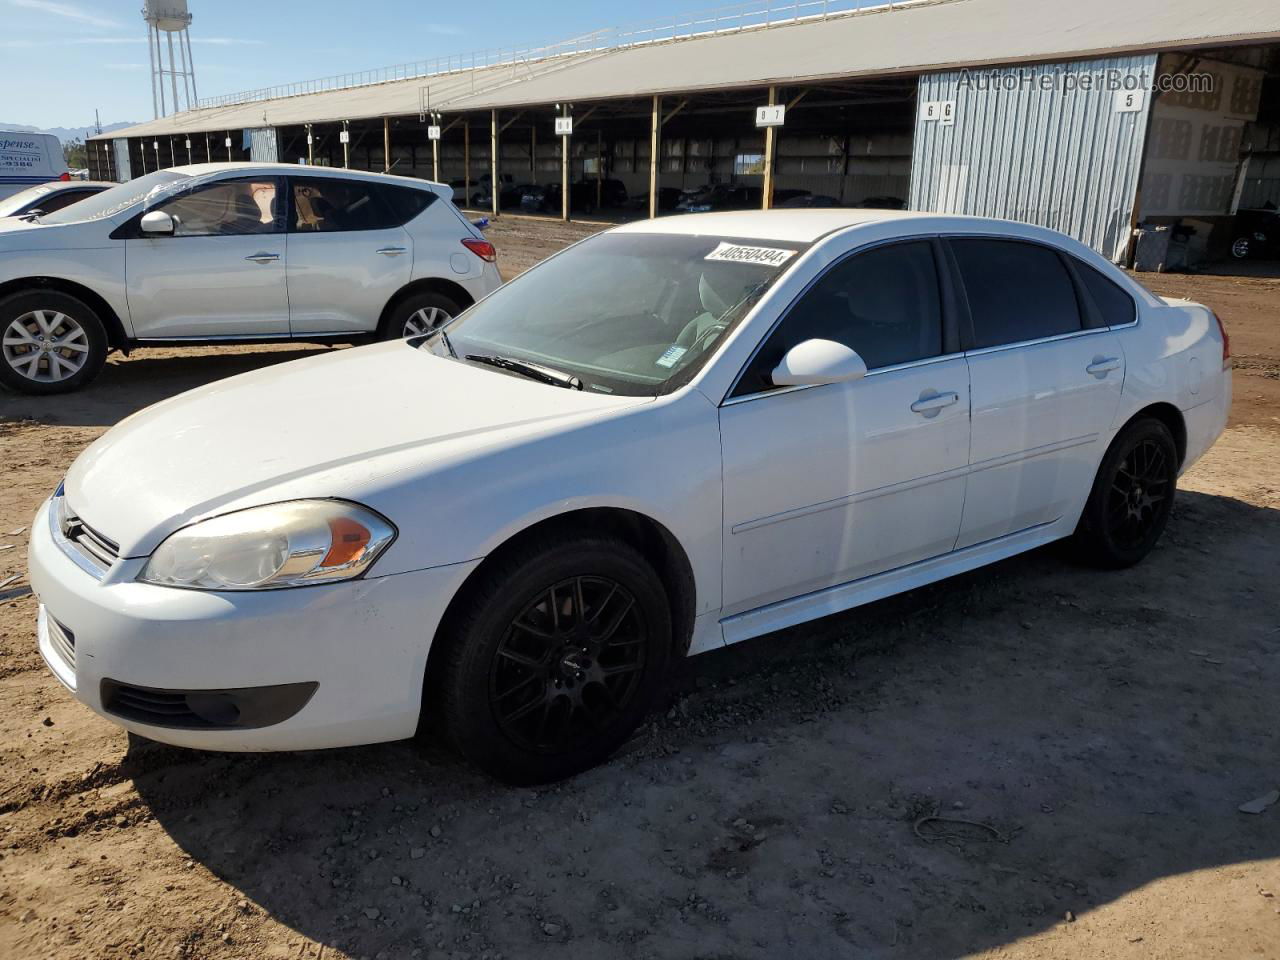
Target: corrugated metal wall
121, 147
1031, 144
264, 146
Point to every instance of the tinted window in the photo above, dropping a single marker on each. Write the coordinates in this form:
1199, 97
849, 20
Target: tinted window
1017, 291
405, 203
326, 205
1114, 305
883, 303
62, 199
225, 208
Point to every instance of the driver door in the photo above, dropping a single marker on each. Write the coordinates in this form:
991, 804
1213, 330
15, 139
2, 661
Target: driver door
832, 483
222, 271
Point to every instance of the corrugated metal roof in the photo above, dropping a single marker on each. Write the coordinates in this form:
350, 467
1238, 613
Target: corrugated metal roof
907, 40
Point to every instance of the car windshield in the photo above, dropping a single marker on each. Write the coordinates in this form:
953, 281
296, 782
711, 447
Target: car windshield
635, 314
112, 201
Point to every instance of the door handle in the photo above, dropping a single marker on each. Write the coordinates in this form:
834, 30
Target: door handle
391, 251
929, 406
1101, 366
264, 257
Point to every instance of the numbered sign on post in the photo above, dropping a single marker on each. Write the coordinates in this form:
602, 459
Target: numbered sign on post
771, 116
188, 143
564, 126
227, 143
344, 137
1128, 101
943, 111
433, 132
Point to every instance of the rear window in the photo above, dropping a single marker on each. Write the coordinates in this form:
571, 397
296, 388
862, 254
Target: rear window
331, 205
405, 203
1114, 305
1016, 291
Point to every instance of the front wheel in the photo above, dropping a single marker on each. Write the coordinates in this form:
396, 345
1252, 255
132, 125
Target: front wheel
1240, 248
418, 315
1132, 497
50, 342
554, 660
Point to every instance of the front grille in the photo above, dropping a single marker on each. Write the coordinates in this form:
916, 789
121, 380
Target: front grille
63, 642
89, 540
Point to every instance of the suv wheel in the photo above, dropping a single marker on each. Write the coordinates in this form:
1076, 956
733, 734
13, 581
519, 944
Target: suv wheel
1240, 248
418, 314
50, 342
555, 658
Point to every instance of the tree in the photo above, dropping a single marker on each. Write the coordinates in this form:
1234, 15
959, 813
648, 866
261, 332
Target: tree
76, 155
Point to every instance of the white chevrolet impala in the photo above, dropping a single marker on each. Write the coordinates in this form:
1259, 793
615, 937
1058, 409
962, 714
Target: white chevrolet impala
670, 437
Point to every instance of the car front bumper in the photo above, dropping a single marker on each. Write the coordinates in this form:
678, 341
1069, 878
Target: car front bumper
295, 669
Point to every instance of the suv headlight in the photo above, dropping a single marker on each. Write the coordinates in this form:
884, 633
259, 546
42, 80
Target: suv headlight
292, 544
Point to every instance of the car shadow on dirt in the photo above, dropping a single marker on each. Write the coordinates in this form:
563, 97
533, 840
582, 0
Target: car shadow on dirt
1080, 733
146, 376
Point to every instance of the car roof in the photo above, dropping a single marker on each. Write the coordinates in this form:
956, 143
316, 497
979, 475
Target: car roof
809, 224
294, 169
803, 225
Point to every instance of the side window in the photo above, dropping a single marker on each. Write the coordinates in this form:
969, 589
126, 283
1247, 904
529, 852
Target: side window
1113, 303
226, 208
883, 303
1017, 291
56, 201
330, 204
405, 203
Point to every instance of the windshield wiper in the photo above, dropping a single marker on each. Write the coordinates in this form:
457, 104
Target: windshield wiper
534, 371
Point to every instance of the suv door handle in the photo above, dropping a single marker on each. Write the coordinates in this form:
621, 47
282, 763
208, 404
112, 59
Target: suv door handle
929, 406
264, 257
391, 251
1101, 366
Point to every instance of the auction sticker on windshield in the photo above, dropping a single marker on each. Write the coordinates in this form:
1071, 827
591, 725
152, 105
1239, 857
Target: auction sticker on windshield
736, 253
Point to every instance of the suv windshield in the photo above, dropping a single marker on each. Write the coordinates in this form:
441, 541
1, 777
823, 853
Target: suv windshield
635, 314
110, 202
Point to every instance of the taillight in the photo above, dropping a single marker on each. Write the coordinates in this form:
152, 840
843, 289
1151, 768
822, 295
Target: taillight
481, 248
1226, 344
65, 176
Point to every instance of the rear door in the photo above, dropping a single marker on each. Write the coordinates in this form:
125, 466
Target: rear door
1045, 381
221, 273
348, 252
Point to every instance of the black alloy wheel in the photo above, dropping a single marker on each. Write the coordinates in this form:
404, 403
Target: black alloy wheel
569, 665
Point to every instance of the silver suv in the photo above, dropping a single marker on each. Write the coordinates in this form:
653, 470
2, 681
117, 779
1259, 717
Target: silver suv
231, 252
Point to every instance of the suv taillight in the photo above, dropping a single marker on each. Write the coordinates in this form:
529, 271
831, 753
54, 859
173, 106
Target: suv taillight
481, 248
1226, 344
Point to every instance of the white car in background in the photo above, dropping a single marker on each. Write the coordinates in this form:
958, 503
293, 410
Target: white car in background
672, 436
231, 252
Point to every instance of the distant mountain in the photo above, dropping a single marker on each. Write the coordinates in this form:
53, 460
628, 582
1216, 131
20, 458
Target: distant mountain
66, 134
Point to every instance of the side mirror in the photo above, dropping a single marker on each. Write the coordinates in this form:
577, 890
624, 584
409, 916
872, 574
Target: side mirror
157, 222
818, 361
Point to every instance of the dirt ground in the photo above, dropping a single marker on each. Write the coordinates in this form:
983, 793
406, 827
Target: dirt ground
1099, 730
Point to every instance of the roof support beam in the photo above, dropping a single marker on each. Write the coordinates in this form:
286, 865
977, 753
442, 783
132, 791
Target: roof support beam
386, 144
770, 144
655, 131
494, 190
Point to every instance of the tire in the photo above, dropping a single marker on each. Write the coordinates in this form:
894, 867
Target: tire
47, 318
530, 696
417, 314
1240, 248
1131, 499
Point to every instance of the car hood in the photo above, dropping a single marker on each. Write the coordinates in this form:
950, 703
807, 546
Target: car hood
328, 426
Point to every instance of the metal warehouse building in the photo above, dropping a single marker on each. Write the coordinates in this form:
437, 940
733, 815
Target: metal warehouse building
1085, 117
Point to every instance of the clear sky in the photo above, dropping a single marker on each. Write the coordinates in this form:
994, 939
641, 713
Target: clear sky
63, 59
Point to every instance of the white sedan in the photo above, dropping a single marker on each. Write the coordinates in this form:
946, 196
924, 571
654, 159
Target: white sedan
669, 437
224, 252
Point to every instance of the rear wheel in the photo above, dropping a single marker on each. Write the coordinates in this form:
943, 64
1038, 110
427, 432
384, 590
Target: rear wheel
1132, 497
1240, 248
50, 342
555, 659
418, 314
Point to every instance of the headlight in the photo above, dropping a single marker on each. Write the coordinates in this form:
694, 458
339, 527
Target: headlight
292, 544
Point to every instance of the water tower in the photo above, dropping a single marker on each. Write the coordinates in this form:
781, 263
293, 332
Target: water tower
170, 18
